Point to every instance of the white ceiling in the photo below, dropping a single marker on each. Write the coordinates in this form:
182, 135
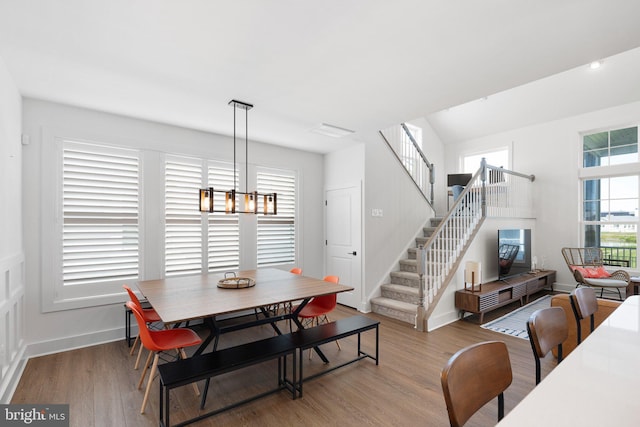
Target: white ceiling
357, 64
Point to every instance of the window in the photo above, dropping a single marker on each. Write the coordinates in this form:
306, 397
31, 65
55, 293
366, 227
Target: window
610, 194
610, 215
409, 154
192, 245
276, 234
610, 147
100, 190
104, 228
471, 163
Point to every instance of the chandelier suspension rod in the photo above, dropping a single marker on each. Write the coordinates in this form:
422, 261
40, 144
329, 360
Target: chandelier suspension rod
246, 150
234, 149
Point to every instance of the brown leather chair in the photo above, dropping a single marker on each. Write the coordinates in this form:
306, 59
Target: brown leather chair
584, 304
605, 308
472, 377
547, 328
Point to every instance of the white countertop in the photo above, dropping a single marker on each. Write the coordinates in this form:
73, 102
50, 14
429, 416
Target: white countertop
597, 385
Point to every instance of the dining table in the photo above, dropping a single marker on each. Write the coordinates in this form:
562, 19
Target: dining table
596, 384
182, 299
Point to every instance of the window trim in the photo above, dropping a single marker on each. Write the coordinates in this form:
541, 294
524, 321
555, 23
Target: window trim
55, 296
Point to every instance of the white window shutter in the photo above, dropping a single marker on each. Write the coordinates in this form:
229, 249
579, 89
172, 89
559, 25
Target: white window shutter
183, 220
223, 229
100, 239
276, 234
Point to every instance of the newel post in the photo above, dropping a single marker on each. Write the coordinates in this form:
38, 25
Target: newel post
421, 321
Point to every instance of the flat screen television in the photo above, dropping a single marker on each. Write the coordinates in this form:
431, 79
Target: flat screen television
514, 252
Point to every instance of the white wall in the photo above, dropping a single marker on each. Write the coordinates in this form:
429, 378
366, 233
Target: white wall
12, 343
86, 326
405, 212
434, 149
552, 152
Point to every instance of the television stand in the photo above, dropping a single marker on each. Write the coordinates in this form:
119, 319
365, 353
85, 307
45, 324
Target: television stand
502, 292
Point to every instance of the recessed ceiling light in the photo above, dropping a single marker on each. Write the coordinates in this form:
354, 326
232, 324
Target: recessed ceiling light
330, 130
596, 64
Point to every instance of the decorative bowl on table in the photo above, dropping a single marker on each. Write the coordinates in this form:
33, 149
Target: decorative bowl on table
236, 282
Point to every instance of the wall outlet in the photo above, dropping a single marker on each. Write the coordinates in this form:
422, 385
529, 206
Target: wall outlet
376, 212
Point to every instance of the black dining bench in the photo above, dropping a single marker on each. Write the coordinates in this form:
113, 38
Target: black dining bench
205, 366
312, 337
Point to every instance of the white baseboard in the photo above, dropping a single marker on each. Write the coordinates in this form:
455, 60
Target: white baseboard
12, 377
562, 287
441, 320
70, 343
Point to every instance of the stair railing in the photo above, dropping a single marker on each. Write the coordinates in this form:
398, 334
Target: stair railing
492, 191
410, 155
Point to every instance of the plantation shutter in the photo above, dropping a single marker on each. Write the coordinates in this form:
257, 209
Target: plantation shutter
223, 229
276, 234
183, 220
100, 239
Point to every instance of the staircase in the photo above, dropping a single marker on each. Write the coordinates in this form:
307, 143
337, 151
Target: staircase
446, 240
493, 191
399, 299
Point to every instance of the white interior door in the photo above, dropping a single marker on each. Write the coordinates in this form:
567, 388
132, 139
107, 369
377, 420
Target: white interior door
344, 241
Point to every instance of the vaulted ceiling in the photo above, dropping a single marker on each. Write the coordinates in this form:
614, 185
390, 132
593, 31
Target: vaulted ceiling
357, 64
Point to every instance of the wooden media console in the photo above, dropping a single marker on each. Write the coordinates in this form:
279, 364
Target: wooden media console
502, 292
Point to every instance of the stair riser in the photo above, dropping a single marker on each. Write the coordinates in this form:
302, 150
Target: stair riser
400, 296
435, 221
404, 281
423, 241
411, 267
395, 314
428, 231
411, 252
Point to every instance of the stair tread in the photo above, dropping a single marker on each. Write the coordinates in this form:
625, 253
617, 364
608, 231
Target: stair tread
397, 305
406, 274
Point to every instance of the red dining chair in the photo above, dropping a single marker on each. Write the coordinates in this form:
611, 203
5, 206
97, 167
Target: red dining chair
158, 341
149, 315
320, 306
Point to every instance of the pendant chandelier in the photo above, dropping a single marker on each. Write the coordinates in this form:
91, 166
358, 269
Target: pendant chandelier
254, 202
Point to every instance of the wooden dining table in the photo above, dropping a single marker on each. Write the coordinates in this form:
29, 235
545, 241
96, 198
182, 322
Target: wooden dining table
596, 385
187, 298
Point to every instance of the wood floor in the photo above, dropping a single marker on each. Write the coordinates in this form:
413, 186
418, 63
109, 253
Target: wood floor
100, 383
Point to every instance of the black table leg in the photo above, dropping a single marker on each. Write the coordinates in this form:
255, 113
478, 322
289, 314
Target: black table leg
294, 317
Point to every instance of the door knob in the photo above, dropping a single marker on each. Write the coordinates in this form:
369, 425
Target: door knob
354, 253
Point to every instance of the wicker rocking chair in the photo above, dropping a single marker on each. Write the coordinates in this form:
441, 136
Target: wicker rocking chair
580, 260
